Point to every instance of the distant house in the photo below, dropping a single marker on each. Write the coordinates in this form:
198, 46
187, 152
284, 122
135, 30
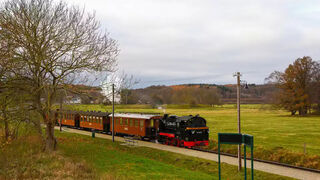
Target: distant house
73, 100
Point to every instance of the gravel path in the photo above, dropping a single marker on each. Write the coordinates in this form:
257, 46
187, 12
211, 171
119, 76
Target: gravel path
270, 168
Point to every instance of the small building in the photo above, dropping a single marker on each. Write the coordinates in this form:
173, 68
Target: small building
73, 100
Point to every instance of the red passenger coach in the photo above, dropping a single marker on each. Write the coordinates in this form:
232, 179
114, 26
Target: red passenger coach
94, 120
66, 118
142, 125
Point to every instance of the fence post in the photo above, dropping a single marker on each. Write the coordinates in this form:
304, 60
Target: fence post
219, 157
245, 161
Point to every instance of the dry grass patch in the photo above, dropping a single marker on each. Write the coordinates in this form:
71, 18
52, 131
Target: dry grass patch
23, 159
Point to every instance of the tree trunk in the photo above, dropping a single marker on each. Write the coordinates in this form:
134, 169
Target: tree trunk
51, 141
6, 128
302, 111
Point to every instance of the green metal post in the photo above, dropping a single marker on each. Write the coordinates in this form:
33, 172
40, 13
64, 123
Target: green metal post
219, 158
93, 133
252, 158
245, 161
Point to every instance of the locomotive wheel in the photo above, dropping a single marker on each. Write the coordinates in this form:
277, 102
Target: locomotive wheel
167, 141
182, 143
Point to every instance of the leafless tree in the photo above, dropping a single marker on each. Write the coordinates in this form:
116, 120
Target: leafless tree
51, 43
126, 82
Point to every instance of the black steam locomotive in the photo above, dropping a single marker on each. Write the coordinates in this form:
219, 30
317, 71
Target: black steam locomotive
185, 131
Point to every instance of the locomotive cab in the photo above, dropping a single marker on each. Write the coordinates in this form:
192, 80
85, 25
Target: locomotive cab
196, 133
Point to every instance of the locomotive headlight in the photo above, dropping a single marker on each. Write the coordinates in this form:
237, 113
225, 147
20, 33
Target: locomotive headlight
192, 132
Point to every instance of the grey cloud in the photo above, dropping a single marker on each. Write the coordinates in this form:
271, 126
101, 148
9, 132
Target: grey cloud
186, 40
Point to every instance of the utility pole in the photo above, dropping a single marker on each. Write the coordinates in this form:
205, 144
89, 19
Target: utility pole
112, 112
238, 107
60, 113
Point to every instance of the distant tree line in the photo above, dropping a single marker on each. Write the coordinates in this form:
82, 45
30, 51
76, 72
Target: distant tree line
199, 94
168, 95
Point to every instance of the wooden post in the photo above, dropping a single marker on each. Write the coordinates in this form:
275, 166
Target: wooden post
112, 112
239, 124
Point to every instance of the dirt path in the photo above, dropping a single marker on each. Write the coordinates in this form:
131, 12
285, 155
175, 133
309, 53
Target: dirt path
270, 168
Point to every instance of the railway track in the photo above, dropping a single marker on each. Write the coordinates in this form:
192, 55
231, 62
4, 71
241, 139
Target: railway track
261, 160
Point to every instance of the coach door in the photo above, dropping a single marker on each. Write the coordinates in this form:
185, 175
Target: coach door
76, 120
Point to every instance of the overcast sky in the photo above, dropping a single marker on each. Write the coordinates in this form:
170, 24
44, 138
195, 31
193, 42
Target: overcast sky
206, 41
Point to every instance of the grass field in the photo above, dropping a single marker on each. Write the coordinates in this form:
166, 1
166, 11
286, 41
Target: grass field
272, 129
82, 157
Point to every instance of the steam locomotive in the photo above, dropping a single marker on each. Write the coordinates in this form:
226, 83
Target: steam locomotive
185, 131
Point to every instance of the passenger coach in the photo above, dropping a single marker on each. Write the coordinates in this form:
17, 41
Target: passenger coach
142, 125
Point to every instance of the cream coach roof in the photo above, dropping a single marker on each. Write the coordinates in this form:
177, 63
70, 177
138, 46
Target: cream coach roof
132, 115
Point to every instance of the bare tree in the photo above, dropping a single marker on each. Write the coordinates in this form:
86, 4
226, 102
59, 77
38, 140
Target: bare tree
51, 43
125, 84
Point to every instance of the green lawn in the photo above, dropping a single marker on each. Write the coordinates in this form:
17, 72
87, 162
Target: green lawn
116, 161
272, 129
83, 157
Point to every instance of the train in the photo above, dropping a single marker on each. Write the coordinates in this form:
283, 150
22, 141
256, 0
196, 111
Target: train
183, 131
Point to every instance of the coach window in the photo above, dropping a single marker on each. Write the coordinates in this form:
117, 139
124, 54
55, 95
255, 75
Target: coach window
136, 123
121, 121
131, 122
126, 122
151, 122
141, 123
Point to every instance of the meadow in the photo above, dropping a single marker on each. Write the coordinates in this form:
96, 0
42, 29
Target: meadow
278, 136
83, 157
272, 129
